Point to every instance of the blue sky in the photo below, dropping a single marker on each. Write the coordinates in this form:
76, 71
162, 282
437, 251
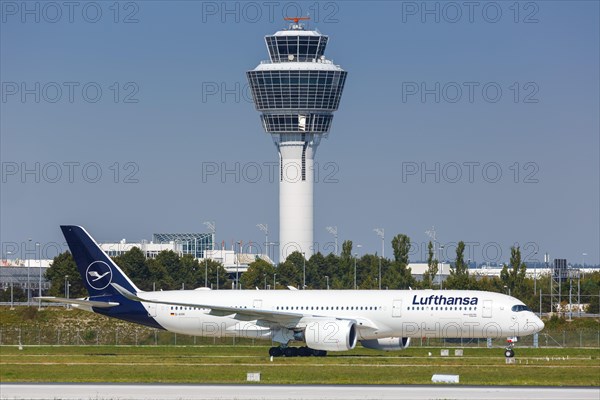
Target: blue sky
499, 101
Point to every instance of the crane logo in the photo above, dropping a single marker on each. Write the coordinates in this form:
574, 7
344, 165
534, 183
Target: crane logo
98, 275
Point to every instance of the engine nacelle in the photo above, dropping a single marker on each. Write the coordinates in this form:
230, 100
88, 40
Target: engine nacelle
386, 344
328, 334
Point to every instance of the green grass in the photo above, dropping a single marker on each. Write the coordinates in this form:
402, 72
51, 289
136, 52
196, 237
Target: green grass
229, 364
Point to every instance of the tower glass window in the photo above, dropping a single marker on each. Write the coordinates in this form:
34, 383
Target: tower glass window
296, 48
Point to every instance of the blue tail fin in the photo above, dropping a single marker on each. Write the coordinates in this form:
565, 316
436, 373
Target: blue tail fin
97, 270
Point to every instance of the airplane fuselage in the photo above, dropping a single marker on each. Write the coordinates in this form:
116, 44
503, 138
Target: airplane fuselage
378, 314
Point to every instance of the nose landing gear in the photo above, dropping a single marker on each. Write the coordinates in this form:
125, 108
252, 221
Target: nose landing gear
509, 351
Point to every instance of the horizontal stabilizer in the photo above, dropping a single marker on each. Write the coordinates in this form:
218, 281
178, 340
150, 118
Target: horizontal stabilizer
81, 302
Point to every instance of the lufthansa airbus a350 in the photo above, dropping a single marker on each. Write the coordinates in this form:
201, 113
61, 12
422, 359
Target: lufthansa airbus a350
324, 320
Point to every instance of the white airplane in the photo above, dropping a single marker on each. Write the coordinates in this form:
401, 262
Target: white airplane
324, 320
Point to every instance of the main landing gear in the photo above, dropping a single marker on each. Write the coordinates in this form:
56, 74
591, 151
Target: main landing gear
509, 351
295, 352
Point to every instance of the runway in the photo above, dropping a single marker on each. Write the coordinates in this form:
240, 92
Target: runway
271, 392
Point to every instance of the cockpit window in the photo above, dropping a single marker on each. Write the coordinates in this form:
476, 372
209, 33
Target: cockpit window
520, 307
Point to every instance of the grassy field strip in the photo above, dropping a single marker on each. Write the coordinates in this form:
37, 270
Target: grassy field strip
228, 364
269, 364
378, 357
125, 361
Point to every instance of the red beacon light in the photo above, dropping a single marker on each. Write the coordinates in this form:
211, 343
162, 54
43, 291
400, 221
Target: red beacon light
296, 19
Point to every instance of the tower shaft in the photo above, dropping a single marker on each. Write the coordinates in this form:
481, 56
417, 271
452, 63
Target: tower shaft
296, 212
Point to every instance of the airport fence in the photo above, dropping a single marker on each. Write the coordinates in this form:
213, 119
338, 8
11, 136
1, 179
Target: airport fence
143, 336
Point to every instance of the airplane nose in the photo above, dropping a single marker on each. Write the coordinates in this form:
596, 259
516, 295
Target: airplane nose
538, 323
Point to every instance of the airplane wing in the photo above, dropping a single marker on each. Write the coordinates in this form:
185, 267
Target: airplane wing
287, 319
81, 302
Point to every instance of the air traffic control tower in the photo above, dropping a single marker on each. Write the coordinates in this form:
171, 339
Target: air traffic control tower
296, 90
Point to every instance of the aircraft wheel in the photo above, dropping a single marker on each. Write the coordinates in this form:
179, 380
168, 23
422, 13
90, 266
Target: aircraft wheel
290, 352
509, 353
304, 352
275, 352
319, 353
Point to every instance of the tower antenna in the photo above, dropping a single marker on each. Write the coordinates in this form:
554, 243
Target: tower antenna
296, 25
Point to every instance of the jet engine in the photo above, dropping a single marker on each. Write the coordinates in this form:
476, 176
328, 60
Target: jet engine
386, 344
328, 334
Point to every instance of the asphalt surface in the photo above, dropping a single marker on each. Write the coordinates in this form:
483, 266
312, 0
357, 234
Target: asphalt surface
57, 391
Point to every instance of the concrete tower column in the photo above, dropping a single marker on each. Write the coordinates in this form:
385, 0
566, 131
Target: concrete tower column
296, 211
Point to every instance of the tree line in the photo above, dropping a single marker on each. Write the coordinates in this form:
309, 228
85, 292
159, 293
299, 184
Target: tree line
170, 271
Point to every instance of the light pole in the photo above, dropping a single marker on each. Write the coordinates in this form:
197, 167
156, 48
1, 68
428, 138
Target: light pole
570, 292
237, 266
358, 246
355, 257
12, 304
67, 288
327, 280
205, 270
303, 271
37, 248
441, 267
265, 229
535, 274
274, 282
579, 293
334, 231
381, 233
28, 271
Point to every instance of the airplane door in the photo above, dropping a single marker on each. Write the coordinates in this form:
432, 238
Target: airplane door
487, 309
397, 308
257, 304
